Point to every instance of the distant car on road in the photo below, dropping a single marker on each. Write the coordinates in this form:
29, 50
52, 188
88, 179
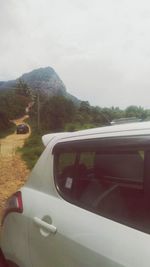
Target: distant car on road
85, 204
22, 129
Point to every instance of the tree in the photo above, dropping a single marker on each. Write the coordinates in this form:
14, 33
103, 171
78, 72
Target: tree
23, 89
84, 107
56, 112
4, 121
12, 104
117, 113
98, 118
137, 112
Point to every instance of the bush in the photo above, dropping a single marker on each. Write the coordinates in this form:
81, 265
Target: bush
71, 127
32, 149
10, 129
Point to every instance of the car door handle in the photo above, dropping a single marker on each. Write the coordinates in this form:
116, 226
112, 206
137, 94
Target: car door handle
49, 227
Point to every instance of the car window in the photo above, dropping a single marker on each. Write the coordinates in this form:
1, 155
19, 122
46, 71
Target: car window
65, 160
127, 166
87, 158
109, 183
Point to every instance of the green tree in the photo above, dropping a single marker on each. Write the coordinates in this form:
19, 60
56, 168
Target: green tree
134, 111
117, 113
23, 89
4, 121
56, 112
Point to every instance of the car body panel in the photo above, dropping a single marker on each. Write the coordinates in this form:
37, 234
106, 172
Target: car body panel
14, 239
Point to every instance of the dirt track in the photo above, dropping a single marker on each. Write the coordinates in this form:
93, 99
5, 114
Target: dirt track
13, 171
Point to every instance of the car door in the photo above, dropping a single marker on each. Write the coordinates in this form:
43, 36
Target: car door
82, 238
64, 233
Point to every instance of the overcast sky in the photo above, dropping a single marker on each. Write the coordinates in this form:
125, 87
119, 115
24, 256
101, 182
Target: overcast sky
99, 48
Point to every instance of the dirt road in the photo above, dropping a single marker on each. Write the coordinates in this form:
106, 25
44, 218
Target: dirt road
13, 171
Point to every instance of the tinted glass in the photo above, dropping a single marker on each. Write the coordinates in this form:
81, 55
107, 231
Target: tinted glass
109, 183
123, 165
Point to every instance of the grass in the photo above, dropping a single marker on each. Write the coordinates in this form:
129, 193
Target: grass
32, 149
33, 146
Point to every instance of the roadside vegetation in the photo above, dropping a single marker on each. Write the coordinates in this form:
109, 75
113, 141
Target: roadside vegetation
33, 146
32, 149
6, 126
57, 114
12, 106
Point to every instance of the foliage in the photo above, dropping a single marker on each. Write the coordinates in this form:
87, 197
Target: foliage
23, 89
134, 111
32, 149
4, 121
55, 114
6, 129
13, 102
58, 114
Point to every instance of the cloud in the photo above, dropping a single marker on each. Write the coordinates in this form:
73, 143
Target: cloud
100, 49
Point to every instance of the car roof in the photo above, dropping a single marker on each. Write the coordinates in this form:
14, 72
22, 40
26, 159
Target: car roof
137, 128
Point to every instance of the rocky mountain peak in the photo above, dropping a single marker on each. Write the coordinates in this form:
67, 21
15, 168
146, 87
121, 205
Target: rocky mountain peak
44, 79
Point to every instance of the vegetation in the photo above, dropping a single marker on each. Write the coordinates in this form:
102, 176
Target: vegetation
4, 131
32, 149
33, 146
58, 114
13, 105
55, 114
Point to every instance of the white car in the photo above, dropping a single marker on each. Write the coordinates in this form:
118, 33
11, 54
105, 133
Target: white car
86, 202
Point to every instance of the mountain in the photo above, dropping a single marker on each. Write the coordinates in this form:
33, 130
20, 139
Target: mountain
43, 79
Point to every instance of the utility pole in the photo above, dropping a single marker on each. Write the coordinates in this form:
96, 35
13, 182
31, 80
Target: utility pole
38, 110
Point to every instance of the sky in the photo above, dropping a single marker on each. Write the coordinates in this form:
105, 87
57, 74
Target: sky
100, 49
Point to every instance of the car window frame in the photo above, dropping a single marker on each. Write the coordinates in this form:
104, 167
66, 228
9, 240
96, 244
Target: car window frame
133, 143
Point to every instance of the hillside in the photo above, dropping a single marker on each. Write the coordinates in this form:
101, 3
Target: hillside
42, 79
53, 108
